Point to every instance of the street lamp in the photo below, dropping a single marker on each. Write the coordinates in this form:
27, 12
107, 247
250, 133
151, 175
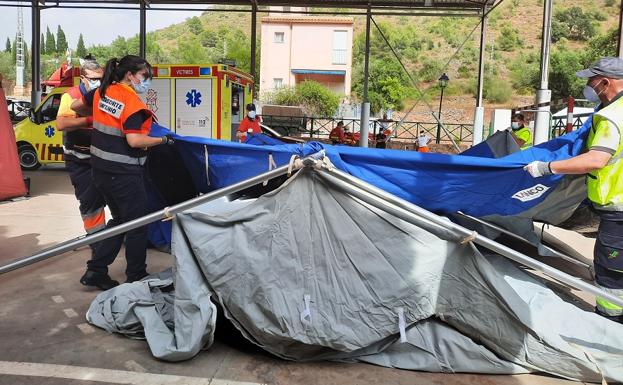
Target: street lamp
443, 83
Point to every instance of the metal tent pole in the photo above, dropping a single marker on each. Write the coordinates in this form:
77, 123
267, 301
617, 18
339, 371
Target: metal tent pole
479, 116
554, 252
147, 219
619, 45
414, 214
142, 35
253, 45
544, 94
35, 49
365, 106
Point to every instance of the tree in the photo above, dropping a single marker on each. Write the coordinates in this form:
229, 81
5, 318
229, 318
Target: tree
42, 45
195, 26
81, 50
573, 24
61, 41
388, 85
50, 44
8, 45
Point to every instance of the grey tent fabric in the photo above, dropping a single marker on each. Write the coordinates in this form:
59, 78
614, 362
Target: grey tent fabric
174, 332
309, 272
434, 346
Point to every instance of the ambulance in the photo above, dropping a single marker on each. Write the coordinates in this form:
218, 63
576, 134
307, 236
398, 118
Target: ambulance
38, 140
199, 100
192, 100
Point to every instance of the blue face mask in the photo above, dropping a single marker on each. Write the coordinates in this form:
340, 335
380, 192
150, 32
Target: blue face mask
142, 87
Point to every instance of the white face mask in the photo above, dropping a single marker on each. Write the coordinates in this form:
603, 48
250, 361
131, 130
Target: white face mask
590, 94
251, 114
93, 84
514, 125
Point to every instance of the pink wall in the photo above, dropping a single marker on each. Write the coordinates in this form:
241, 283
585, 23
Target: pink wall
307, 45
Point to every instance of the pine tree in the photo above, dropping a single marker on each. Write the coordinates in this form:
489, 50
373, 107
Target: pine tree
81, 50
61, 41
50, 44
42, 45
8, 45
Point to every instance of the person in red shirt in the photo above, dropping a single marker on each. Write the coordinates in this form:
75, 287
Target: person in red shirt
337, 134
249, 125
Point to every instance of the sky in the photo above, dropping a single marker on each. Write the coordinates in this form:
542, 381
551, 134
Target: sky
99, 26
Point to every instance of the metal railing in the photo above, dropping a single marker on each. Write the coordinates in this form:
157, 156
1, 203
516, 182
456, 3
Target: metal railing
559, 124
319, 128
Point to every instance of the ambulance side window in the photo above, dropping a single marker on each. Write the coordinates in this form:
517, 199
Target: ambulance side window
50, 107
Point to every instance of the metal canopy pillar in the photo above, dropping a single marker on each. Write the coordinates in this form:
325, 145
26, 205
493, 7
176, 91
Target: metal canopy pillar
619, 45
142, 35
479, 115
253, 43
543, 94
35, 62
365, 106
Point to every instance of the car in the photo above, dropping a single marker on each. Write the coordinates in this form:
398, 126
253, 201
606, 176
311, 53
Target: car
38, 140
18, 109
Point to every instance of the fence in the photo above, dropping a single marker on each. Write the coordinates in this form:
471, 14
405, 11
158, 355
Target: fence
559, 124
320, 127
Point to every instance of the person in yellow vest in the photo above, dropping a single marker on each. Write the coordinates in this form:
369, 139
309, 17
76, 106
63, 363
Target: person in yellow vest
603, 165
521, 133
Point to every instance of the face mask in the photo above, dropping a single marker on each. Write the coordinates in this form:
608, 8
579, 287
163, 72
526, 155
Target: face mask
251, 114
590, 94
93, 84
142, 87
514, 125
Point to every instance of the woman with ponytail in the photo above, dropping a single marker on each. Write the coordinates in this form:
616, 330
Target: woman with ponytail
119, 148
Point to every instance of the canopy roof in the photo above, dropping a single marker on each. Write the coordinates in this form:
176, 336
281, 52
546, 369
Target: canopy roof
431, 5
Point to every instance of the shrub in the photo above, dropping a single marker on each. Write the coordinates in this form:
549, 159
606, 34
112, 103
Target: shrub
315, 99
509, 39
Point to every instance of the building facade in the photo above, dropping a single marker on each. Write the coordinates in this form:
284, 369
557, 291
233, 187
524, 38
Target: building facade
296, 48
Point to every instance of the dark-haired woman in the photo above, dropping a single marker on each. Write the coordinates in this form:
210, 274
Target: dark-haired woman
119, 147
249, 125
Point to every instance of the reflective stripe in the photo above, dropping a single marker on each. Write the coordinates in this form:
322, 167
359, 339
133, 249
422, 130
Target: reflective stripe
77, 154
107, 129
612, 207
606, 307
119, 158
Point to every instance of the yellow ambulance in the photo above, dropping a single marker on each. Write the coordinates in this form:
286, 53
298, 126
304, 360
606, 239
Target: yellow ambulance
38, 140
193, 100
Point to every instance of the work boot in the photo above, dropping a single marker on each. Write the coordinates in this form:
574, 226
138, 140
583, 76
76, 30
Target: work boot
136, 277
615, 318
99, 280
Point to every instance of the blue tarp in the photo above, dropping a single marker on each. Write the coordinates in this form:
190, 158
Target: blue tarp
438, 182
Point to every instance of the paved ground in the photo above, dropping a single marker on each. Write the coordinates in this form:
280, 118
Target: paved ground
44, 338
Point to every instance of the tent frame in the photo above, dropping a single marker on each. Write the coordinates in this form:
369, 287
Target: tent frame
356, 187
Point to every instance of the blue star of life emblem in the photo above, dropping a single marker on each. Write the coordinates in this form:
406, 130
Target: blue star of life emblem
49, 131
193, 98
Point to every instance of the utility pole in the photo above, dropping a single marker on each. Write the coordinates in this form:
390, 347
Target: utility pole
19, 54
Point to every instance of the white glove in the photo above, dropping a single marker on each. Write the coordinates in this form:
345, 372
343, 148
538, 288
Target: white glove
538, 168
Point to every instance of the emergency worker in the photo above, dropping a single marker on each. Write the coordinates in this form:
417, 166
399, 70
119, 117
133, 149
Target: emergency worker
422, 142
349, 137
119, 148
520, 132
337, 134
76, 142
603, 165
249, 125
